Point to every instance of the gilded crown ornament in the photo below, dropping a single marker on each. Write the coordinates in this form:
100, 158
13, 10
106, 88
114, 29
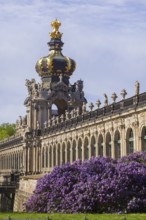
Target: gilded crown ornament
55, 64
55, 33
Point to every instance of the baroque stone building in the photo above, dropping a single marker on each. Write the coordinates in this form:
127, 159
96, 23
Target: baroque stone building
47, 137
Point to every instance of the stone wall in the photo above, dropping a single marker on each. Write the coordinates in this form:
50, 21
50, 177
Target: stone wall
25, 190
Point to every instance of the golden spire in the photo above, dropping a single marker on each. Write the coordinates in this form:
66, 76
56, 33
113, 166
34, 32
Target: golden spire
55, 33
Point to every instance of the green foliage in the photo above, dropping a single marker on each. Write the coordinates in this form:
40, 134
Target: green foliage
6, 130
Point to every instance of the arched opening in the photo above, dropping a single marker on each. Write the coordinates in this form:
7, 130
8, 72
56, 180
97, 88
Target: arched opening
108, 145
117, 145
54, 155
80, 149
54, 110
21, 161
68, 152
129, 141
93, 147
143, 139
61, 106
86, 150
58, 154
63, 153
30, 160
50, 156
100, 145
74, 151
43, 159
17, 161
13, 164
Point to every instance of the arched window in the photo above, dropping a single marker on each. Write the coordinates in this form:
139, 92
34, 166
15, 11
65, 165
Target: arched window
54, 155
100, 145
63, 153
108, 145
143, 139
80, 149
86, 150
58, 151
50, 156
129, 141
93, 147
117, 145
43, 157
17, 160
68, 152
54, 110
74, 151
59, 106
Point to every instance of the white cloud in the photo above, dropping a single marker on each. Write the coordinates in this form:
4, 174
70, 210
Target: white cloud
105, 37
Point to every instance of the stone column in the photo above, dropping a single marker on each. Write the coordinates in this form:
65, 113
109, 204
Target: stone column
136, 136
44, 156
57, 155
24, 165
90, 147
49, 111
28, 159
39, 159
34, 159
18, 165
52, 165
83, 150
61, 153
35, 116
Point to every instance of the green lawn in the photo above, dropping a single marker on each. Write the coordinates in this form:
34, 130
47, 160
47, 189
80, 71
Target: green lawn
73, 216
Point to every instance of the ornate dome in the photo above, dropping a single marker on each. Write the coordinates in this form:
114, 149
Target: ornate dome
55, 64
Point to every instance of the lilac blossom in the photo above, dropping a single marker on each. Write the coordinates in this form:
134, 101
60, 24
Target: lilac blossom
98, 185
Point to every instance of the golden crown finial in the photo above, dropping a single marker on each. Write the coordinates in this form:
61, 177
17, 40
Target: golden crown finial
55, 33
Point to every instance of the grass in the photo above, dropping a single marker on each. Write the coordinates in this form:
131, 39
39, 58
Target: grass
57, 216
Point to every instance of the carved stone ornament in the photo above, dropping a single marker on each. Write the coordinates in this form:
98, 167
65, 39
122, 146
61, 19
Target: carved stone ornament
105, 100
98, 103
135, 124
137, 87
84, 107
114, 97
123, 93
91, 106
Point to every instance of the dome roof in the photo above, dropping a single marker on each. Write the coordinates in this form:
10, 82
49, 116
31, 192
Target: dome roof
55, 64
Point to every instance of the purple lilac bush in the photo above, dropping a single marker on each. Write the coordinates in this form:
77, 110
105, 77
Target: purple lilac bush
99, 185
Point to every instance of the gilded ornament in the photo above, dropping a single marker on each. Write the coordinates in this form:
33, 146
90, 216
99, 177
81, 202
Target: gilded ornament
68, 67
55, 33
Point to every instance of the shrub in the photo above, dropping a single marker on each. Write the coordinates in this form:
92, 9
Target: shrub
99, 185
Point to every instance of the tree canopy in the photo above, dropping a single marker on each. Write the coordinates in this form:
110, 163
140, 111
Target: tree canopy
6, 130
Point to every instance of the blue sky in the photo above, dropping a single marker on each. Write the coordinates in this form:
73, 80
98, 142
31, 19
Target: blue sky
106, 38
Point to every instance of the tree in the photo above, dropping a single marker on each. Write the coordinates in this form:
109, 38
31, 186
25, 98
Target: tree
6, 130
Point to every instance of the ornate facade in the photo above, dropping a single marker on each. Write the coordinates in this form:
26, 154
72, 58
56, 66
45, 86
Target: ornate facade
47, 137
